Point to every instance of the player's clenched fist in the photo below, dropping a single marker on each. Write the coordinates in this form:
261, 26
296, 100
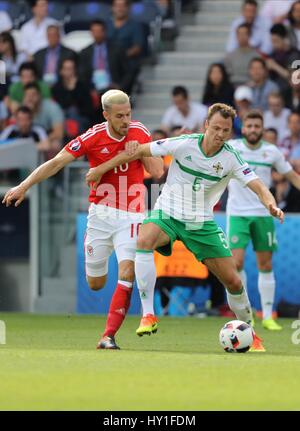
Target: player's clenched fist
276, 212
131, 148
93, 177
16, 194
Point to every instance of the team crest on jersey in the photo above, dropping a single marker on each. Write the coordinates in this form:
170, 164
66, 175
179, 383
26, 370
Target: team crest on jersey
218, 167
75, 145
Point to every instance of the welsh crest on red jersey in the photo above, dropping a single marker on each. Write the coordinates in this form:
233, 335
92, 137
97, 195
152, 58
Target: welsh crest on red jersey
121, 187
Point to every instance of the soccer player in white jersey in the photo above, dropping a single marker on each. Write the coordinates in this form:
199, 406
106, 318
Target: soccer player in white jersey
248, 219
200, 171
116, 207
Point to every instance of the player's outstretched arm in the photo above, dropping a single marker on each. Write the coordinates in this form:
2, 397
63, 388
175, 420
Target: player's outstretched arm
293, 178
41, 173
266, 197
133, 151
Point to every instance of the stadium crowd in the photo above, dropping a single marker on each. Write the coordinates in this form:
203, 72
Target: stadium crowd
53, 93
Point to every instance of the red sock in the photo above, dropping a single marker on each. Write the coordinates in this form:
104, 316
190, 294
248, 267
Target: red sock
119, 306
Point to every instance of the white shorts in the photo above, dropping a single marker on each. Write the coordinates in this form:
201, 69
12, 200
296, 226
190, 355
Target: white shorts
109, 229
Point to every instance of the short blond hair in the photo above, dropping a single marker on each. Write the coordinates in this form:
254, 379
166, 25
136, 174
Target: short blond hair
225, 111
114, 97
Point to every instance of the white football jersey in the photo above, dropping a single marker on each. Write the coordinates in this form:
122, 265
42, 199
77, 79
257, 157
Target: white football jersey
195, 182
243, 202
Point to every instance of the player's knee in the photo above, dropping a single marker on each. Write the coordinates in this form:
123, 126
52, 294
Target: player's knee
145, 243
96, 283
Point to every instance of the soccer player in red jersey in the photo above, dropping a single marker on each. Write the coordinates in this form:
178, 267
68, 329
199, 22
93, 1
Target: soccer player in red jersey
117, 202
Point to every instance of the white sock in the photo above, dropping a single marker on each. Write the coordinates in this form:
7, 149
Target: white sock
266, 288
145, 273
243, 277
240, 305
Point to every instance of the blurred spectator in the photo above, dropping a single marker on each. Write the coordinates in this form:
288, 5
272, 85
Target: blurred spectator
129, 34
9, 54
260, 84
287, 196
5, 22
277, 115
24, 128
282, 56
237, 61
46, 113
218, 87
28, 75
243, 103
49, 60
183, 112
34, 32
103, 64
73, 96
292, 93
260, 37
276, 11
290, 145
294, 25
270, 135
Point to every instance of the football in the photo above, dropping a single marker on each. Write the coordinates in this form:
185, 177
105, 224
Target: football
236, 336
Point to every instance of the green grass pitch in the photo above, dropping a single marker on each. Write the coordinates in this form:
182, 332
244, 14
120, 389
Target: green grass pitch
50, 363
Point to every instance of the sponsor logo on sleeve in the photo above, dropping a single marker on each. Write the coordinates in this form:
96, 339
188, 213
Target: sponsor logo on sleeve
247, 171
75, 145
160, 142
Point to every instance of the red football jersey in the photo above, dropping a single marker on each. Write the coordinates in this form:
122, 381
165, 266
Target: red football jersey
121, 187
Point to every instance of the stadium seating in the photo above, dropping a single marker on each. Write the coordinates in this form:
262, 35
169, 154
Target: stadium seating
81, 14
17, 10
58, 10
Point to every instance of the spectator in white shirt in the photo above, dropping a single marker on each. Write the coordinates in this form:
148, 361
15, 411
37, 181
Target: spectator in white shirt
183, 112
5, 22
277, 115
276, 11
260, 37
34, 32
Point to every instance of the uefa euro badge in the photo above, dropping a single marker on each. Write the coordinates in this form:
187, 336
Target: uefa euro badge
218, 167
2, 332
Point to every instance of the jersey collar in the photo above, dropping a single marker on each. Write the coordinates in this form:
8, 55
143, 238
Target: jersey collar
111, 137
248, 146
201, 149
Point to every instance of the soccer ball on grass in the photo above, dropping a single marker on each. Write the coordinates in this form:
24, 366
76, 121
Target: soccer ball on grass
236, 336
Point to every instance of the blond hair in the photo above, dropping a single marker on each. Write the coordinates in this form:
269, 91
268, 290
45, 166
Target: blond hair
225, 111
114, 97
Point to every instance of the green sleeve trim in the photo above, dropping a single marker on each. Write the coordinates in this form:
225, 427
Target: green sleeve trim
265, 272
143, 251
236, 153
184, 137
269, 165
